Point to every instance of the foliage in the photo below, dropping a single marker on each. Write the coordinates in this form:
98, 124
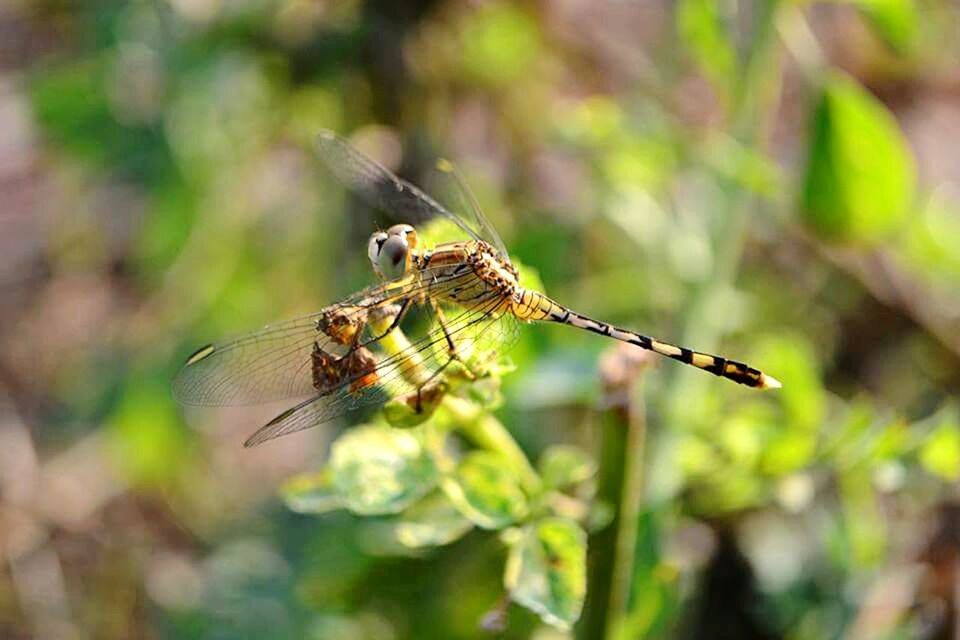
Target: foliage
770, 180
396, 468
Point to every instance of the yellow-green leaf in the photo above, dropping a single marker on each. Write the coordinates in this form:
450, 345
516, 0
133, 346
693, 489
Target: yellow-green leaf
564, 465
311, 493
860, 176
940, 454
500, 43
431, 522
546, 570
894, 20
379, 470
485, 489
705, 35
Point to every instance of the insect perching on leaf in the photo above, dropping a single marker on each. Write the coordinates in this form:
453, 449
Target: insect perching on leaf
347, 355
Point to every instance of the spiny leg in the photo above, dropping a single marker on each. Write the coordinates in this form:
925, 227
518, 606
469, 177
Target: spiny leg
426, 383
404, 306
451, 345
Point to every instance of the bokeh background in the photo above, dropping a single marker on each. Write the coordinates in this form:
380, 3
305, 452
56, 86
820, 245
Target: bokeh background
776, 181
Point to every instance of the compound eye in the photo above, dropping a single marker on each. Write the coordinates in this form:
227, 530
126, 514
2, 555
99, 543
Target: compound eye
406, 231
374, 247
393, 256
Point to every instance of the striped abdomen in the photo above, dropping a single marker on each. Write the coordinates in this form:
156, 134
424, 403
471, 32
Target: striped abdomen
532, 306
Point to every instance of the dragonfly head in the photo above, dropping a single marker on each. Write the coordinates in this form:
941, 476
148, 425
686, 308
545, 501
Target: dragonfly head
389, 251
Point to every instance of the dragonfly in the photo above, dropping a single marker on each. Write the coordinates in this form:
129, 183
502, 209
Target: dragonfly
354, 353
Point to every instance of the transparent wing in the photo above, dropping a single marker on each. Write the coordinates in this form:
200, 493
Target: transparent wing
453, 191
276, 362
485, 331
380, 188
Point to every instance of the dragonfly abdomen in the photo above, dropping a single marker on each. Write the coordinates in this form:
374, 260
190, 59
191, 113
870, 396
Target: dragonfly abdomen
534, 306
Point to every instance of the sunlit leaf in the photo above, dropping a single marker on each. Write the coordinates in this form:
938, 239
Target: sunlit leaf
146, 439
564, 465
546, 570
706, 37
940, 454
789, 451
860, 176
896, 21
500, 42
792, 359
485, 489
311, 493
892, 441
640, 161
431, 522
379, 470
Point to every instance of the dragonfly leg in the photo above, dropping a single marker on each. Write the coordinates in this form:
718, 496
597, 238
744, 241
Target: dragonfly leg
429, 385
452, 346
404, 306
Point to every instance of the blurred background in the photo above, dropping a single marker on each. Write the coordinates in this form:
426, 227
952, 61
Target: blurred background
770, 180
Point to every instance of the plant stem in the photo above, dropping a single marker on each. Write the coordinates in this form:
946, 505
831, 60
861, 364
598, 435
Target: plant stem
485, 431
474, 421
631, 501
603, 544
620, 484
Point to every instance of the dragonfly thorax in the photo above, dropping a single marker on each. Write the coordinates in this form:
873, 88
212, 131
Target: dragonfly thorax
495, 271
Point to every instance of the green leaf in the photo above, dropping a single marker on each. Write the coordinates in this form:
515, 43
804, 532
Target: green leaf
311, 493
792, 358
486, 392
485, 489
146, 440
378, 470
501, 42
894, 20
562, 466
860, 176
431, 522
940, 454
546, 570
706, 37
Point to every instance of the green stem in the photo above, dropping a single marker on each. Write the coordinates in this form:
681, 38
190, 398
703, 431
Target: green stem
484, 430
612, 549
477, 424
631, 502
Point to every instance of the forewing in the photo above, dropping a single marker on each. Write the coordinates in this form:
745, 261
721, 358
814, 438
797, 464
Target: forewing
275, 362
379, 187
484, 328
450, 187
